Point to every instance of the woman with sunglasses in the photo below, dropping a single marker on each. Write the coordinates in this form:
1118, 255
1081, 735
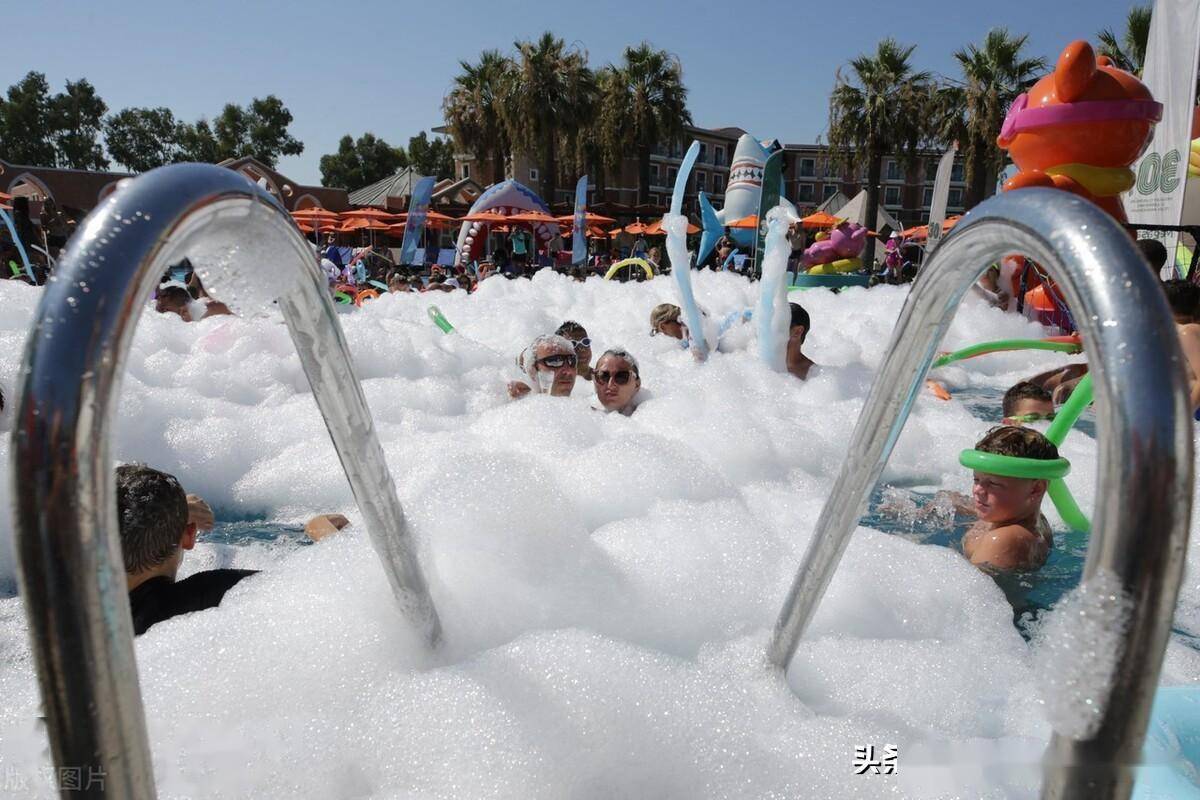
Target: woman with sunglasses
618, 384
550, 364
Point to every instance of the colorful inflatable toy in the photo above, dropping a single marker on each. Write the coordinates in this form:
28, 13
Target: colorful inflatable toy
1080, 128
630, 262
742, 196
365, 295
507, 197
837, 252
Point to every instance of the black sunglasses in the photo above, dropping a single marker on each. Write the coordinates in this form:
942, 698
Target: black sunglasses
558, 361
621, 376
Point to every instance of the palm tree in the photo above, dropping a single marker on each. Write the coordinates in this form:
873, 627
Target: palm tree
882, 108
472, 110
645, 105
993, 74
1130, 52
545, 101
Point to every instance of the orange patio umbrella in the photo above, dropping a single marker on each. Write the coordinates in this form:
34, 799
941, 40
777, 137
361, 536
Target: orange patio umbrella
589, 218
656, 229
315, 213
490, 217
750, 221
533, 218
371, 214
821, 219
362, 224
635, 228
321, 227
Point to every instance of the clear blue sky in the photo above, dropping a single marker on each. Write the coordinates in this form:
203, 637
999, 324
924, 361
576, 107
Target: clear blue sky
351, 67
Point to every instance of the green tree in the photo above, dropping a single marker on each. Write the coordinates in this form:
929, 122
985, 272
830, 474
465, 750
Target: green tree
141, 139
197, 142
644, 104
76, 119
25, 122
259, 130
543, 103
473, 114
879, 109
994, 74
360, 163
431, 156
1128, 53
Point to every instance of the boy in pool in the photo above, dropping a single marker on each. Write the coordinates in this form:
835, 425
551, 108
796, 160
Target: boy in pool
1027, 402
1011, 534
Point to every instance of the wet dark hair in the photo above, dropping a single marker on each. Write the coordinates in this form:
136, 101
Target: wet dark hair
800, 317
174, 295
1183, 297
152, 514
1009, 440
1025, 390
1153, 251
571, 328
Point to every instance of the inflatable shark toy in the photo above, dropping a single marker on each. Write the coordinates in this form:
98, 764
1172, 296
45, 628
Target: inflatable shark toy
742, 196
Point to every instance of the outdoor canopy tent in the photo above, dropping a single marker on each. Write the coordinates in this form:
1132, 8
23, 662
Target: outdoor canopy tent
856, 211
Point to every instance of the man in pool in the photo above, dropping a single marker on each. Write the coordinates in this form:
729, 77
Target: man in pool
799, 364
153, 515
578, 336
1011, 534
550, 364
1026, 402
617, 381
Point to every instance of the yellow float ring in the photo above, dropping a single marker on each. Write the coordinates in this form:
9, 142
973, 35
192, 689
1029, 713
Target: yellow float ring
638, 262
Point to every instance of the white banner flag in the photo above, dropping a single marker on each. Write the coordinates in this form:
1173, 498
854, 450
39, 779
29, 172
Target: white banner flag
1170, 74
941, 196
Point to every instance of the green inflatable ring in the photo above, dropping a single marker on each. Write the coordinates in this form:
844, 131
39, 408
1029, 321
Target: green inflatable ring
1006, 344
636, 262
1015, 467
342, 298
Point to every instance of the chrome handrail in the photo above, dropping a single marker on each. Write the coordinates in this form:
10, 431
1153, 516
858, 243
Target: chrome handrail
68, 550
1143, 503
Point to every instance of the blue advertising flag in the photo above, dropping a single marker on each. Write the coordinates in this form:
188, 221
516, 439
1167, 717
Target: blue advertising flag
578, 242
418, 208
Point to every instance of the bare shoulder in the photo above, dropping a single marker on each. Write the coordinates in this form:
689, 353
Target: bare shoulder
1007, 547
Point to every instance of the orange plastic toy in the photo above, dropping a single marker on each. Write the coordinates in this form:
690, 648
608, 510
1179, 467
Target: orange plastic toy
1080, 128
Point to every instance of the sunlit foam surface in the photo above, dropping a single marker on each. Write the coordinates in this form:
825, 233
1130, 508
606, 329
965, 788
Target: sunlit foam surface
607, 584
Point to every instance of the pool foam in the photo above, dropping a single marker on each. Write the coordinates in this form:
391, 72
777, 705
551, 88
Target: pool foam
607, 584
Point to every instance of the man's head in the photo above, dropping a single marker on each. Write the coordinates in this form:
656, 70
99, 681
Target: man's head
1183, 297
616, 378
1154, 252
664, 319
173, 300
1028, 401
799, 326
550, 362
152, 513
578, 336
999, 499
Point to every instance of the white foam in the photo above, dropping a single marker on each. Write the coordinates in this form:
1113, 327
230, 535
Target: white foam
607, 584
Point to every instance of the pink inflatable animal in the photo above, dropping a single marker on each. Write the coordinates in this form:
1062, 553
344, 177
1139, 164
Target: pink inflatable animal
845, 241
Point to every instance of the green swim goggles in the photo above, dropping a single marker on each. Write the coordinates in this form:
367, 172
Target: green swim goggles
1025, 419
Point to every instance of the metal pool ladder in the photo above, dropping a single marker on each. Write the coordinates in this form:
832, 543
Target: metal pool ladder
1144, 498
68, 550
